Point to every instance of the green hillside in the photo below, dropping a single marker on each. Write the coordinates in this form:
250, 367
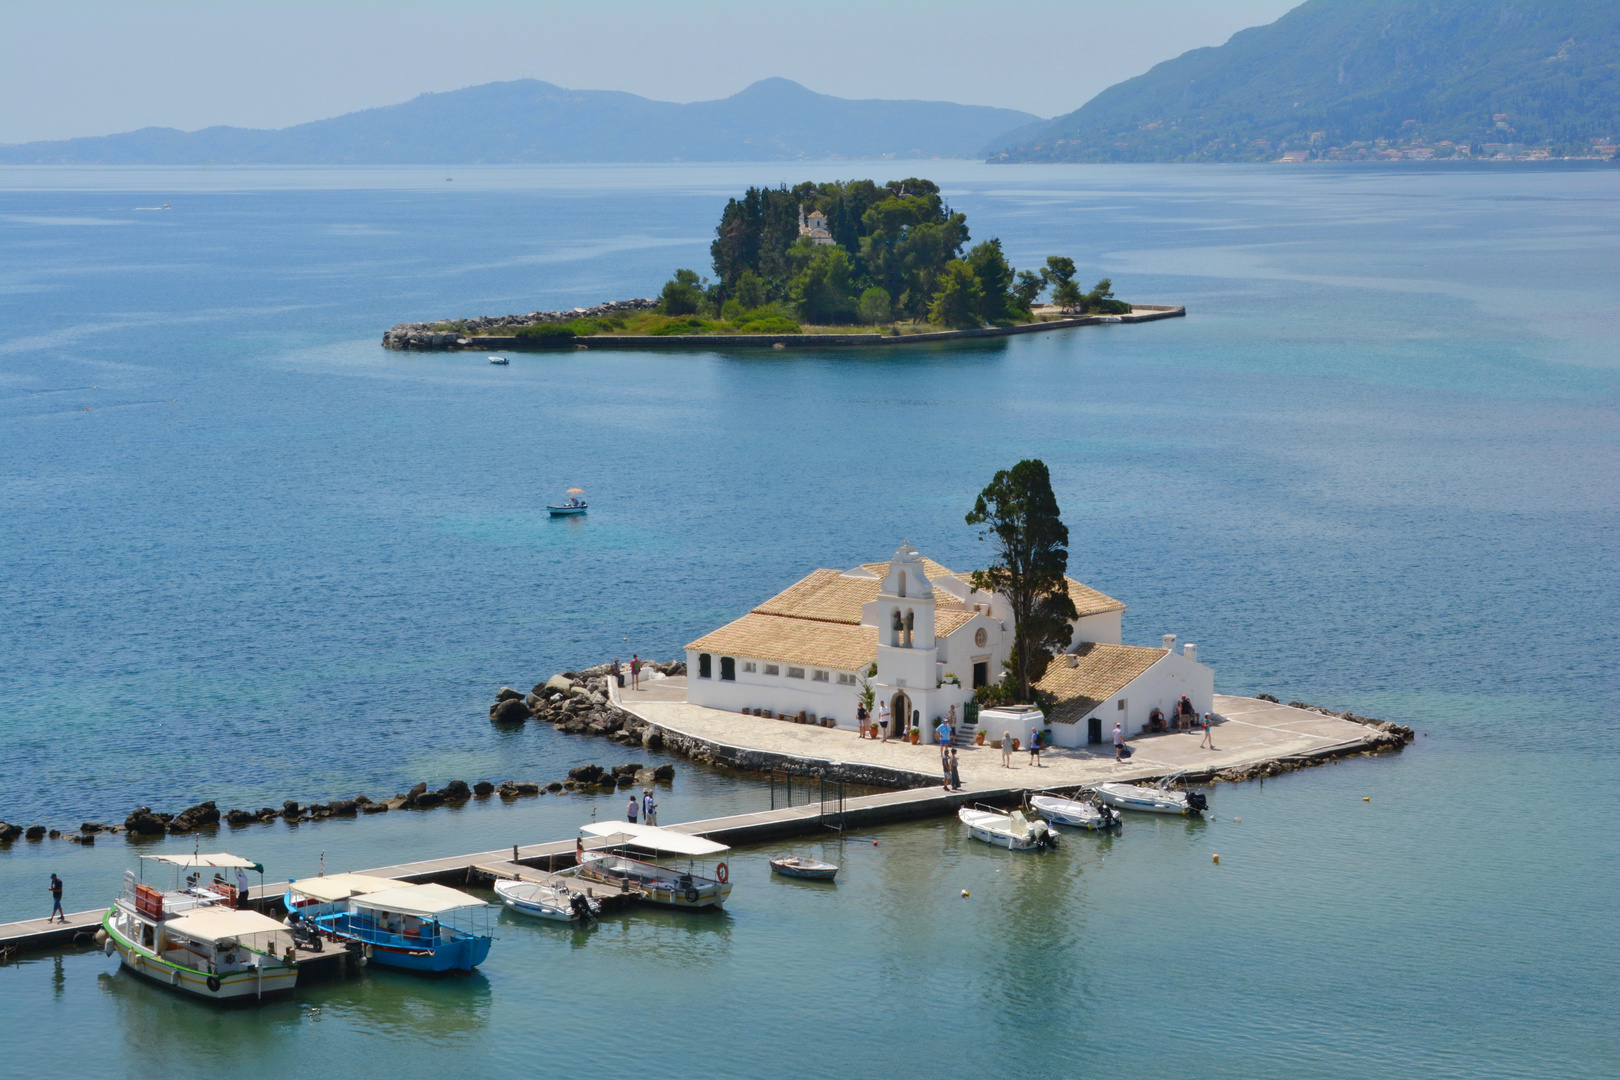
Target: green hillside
1349, 79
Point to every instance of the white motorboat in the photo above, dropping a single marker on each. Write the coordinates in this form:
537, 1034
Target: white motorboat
193, 938
628, 859
501, 360
1152, 800
1012, 831
557, 902
1075, 813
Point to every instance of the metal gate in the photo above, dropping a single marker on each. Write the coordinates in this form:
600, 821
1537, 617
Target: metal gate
826, 793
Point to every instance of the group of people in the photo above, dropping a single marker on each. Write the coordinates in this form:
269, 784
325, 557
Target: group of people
635, 672
1034, 747
863, 721
644, 806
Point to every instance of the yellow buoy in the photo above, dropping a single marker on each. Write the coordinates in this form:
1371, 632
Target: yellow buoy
964, 894
1217, 858
1366, 798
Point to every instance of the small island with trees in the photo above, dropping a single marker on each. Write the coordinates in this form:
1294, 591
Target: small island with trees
845, 262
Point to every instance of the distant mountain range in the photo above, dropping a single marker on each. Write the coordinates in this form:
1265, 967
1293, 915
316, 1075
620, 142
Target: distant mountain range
1351, 79
533, 121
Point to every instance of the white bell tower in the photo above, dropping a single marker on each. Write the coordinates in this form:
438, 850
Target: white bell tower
906, 655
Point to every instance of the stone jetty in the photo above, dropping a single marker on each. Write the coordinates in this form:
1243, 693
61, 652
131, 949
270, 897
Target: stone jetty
453, 333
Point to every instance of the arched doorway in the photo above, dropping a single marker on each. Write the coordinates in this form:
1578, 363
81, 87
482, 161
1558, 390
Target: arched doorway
900, 710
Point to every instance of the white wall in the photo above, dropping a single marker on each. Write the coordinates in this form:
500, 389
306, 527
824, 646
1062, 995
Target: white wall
778, 693
1104, 628
1161, 685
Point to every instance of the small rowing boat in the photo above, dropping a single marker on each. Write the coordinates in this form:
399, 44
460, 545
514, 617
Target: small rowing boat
1152, 800
1075, 813
558, 903
572, 506
810, 869
1012, 831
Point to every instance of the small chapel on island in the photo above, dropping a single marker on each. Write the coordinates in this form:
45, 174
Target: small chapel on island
933, 639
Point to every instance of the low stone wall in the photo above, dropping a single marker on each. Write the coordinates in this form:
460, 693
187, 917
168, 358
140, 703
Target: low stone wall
420, 335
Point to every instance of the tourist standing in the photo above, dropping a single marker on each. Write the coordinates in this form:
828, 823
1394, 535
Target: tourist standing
1006, 749
942, 734
945, 767
56, 900
635, 805
860, 720
1209, 738
635, 672
883, 719
618, 673
241, 887
1119, 742
956, 775
649, 809
1035, 748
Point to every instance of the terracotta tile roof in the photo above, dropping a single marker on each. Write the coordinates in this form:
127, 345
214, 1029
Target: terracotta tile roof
806, 642
824, 595
1088, 601
948, 621
1102, 672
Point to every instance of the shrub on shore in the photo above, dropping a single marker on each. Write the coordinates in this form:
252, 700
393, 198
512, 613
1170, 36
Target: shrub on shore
548, 335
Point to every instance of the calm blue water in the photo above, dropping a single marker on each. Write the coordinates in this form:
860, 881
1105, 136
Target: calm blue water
249, 555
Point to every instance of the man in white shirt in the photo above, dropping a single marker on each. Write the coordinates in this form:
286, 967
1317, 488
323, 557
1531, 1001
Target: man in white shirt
883, 719
241, 887
1119, 743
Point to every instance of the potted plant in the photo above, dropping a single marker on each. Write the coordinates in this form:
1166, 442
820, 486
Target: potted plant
872, 730
916, 734
978, 740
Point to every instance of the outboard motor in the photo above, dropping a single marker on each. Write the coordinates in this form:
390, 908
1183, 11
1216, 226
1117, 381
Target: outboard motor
1196, 802
1047, 838
581, 906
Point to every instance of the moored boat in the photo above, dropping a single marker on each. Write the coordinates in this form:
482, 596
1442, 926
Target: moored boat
501, 360
416, 927
1152, 800
1075, 813
557, 903
1012, 830
628, 858
193, 938
810, 869
325, 895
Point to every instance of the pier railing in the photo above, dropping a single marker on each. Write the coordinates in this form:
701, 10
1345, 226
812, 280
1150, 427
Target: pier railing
812, 789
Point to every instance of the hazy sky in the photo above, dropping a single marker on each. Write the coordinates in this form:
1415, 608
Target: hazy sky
92, 67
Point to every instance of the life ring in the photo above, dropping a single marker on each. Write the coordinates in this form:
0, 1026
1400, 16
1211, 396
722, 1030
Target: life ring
691, 894
722, 873
213, 984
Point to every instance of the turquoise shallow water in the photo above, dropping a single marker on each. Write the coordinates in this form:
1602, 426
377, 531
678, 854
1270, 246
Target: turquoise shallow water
249, 555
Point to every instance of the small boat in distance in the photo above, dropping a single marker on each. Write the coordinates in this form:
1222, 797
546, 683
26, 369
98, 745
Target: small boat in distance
1153, 800
809, 869
557, 903
1076, 813
571, 506
501, 360
1012, 831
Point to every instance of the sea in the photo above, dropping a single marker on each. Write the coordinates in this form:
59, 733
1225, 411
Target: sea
248, 555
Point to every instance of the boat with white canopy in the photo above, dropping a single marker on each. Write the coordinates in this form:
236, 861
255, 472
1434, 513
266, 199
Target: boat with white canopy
630, 857
416, 927
192, 937
329, 893
1012, 830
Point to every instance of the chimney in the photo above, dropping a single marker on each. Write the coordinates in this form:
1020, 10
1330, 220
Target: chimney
1190, 651
1170, 642
1074, 661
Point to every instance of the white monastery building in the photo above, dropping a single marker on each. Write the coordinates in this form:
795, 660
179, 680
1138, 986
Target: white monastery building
932, 639
813, 226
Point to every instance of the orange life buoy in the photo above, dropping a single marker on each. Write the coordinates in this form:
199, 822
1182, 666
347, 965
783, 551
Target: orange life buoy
722, 873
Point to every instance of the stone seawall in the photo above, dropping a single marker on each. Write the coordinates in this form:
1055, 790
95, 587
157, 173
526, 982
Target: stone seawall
421, 336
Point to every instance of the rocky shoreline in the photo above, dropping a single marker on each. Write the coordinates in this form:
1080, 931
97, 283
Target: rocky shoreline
422, 335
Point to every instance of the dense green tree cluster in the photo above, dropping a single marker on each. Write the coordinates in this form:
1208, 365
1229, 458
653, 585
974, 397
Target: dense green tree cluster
897, 253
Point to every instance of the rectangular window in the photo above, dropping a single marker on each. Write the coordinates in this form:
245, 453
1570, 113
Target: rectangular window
728, 669
749, 665
703, 666
845, 679
795, 672
820, 676
772, 669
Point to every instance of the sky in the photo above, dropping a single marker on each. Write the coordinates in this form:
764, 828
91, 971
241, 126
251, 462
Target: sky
94, 67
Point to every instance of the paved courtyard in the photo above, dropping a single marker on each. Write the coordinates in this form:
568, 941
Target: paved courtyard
1246, 730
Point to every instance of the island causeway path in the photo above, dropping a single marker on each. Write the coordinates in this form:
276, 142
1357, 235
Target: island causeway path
1247, 732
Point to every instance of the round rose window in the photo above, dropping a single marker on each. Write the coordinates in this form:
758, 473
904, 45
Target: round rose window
982, 638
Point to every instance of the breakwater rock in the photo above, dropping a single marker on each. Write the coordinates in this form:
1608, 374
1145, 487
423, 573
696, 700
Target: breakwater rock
576, 702
451, 333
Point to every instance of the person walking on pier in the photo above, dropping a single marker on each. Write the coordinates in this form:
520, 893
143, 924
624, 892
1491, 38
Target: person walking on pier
1006, 749
634, 806
1209, 735
56, 900
1119, 742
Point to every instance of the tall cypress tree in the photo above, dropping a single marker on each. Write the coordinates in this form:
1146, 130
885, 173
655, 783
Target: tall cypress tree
1021, 518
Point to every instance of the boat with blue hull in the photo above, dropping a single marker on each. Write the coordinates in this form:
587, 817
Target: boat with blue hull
427, 928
